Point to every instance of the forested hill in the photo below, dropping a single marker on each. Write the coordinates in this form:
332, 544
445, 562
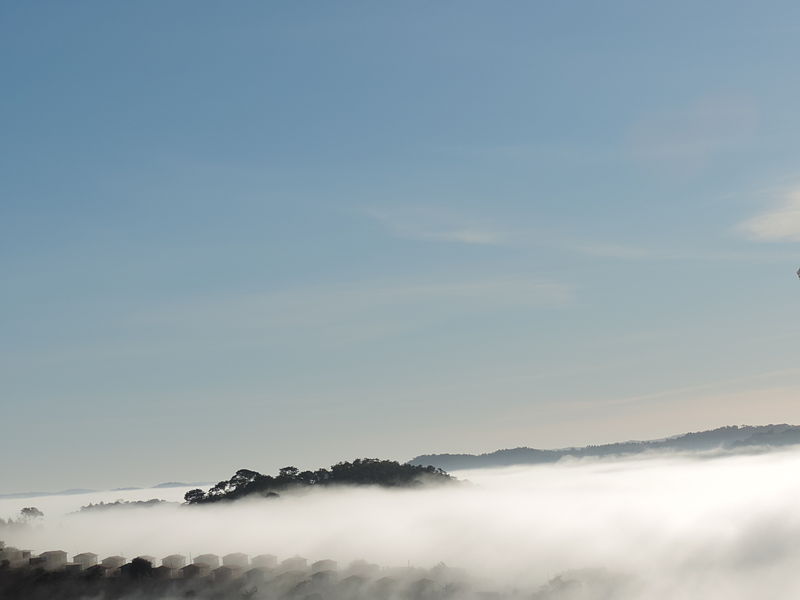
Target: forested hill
725, 437
362, 471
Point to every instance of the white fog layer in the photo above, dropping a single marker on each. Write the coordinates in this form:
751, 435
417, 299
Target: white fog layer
670, 526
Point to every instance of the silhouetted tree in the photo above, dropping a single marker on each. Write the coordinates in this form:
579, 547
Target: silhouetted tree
30, 512
194, 496
138, 568
362, 471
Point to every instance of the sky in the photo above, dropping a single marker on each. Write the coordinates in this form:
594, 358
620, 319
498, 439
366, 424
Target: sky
260, 234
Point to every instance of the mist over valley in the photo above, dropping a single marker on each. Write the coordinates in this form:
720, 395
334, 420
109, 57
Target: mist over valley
662, 524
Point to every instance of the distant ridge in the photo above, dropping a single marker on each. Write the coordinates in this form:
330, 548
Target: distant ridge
74, 492
175, 484
40, 494
730, 437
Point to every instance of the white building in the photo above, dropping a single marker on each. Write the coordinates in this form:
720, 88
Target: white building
14, 557
265, 561
296, 563
85, 560
324, 565
52, 560
174, 561
208, 560
112, 563
236, 559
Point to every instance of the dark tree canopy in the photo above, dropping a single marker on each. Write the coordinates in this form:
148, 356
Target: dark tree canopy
31, 512
138, 568
362, 471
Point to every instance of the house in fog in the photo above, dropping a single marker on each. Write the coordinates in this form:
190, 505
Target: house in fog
174, 561
264, 561
384, 588
164, 572
324, 565
9, 554
13, 557
52, 560
85, 560
256, 576
321, 579
96, 572
236, 560
287, 581
136, 569
225, 574
194, 571
362, 568
113, 563
352, 586
208, 560
296, 563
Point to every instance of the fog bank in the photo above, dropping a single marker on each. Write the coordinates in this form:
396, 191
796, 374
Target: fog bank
675, 526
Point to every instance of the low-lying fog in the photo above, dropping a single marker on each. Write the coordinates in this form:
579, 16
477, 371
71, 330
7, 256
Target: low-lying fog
678, 526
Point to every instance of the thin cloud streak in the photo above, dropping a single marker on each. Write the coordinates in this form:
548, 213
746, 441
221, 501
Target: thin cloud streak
436, 225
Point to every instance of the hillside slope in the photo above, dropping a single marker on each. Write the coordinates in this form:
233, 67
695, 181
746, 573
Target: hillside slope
724, 437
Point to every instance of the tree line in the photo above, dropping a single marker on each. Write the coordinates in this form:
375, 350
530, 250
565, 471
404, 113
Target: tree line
27, 515
361, 471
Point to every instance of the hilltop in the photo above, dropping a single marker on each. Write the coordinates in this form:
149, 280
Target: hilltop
362, 471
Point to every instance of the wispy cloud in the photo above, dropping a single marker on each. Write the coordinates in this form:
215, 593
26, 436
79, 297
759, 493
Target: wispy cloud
436, 225
440, 225
781, 223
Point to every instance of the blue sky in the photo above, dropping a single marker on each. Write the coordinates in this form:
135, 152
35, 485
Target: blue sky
268, 233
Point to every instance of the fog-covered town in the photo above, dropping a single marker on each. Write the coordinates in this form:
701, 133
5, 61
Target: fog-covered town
54, 574
716, 522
